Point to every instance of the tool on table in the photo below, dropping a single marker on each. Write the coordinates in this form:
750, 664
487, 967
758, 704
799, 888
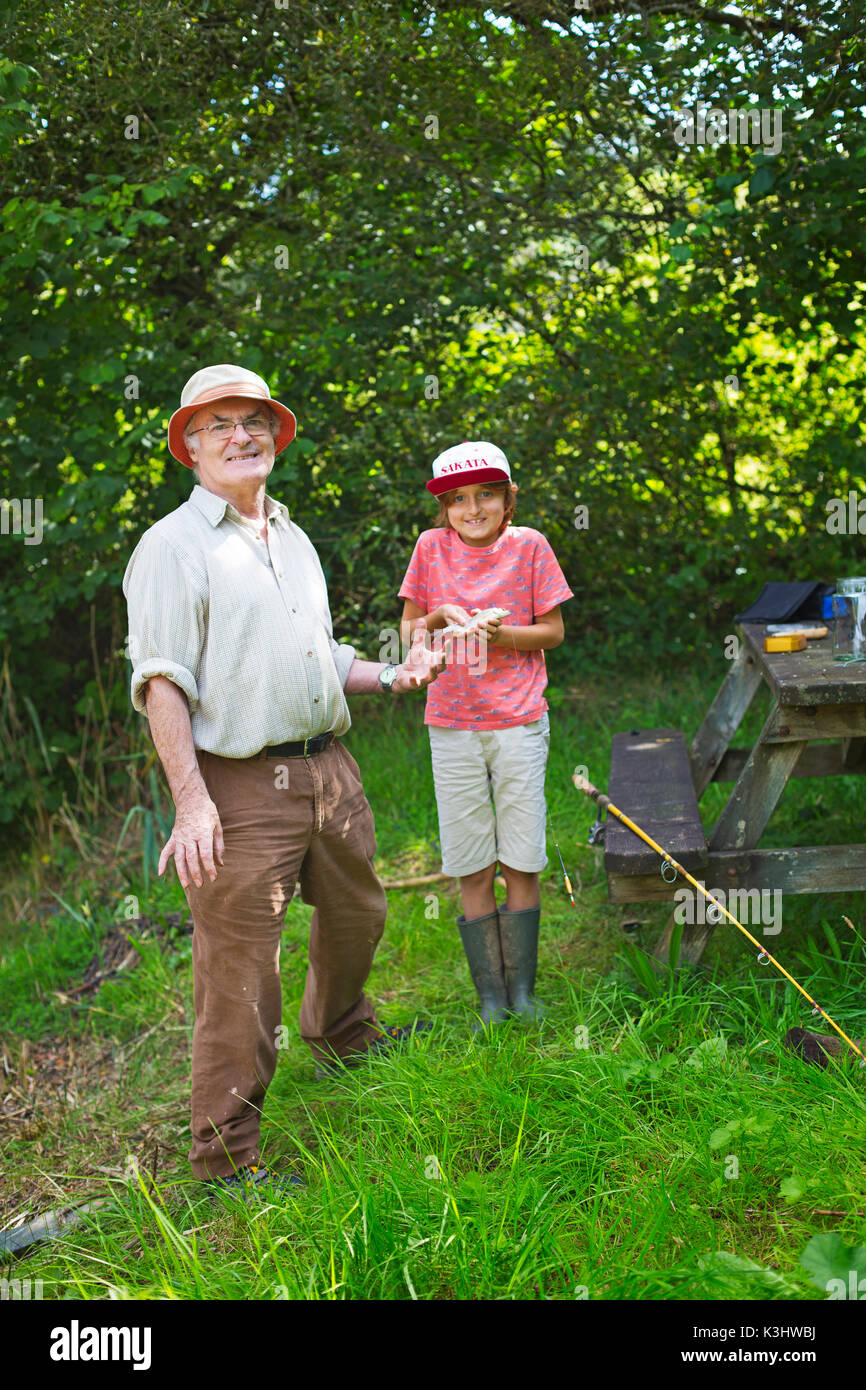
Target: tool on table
669, 863
808, 630
789, 642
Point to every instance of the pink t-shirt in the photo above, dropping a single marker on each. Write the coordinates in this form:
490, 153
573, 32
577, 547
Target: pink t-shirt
519, 572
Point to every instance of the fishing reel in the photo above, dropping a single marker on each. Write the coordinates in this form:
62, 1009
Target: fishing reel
596, 833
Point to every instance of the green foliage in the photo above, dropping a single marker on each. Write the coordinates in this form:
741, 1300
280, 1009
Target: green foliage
759, 1123
281, 202
157, 829
709, 1053
726, 1275
49, 959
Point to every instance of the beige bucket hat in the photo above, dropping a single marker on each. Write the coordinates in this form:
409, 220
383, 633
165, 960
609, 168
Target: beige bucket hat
214, 384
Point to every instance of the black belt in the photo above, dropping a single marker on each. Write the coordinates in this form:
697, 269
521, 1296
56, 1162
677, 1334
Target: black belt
307, 747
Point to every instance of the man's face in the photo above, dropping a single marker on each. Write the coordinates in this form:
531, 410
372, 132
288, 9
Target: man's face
243, 455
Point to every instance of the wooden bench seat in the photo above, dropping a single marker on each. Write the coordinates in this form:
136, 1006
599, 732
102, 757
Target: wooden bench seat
651, 781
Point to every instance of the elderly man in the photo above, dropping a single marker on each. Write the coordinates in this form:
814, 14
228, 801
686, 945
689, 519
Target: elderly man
245, 691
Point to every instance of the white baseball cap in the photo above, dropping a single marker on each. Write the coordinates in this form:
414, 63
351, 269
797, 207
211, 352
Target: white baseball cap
476, 461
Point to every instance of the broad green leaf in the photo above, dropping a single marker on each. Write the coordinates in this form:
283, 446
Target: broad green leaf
738, 1273
793, 1188
827, 1257
762, 180
708, 1054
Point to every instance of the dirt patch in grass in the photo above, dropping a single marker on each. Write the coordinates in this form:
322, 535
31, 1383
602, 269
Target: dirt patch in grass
117, 951
40, 1084
49, 1088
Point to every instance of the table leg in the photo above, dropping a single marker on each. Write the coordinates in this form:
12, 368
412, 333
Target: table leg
853, 754
740, 826
708, 748
757, 793
723, 718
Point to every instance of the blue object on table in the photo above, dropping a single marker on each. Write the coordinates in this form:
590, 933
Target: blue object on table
787, 601
827, 607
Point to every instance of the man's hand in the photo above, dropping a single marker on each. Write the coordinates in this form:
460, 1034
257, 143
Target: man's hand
195, 841
422, 665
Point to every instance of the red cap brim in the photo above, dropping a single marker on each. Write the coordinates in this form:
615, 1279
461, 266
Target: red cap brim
473, 475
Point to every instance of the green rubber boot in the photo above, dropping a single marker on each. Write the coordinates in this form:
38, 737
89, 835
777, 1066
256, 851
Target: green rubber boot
518, 932
480, 937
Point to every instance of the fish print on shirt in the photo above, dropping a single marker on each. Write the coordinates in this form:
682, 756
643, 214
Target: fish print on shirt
519, 571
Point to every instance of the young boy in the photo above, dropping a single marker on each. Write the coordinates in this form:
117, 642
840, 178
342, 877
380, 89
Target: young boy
487, 720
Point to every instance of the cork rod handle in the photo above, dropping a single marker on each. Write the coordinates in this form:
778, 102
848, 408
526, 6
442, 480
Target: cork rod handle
584, 785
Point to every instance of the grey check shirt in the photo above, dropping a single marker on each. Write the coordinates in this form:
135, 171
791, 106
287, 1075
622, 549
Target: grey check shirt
241, 625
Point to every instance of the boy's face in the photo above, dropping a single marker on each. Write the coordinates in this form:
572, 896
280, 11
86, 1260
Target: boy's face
476, 513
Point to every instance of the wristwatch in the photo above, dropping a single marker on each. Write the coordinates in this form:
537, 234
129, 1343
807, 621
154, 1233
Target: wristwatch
388, 677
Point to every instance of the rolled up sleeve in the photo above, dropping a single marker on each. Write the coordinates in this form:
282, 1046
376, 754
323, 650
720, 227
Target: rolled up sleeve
166, 610
344, 656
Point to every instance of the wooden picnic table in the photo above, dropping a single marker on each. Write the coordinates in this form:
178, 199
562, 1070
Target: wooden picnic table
816, 727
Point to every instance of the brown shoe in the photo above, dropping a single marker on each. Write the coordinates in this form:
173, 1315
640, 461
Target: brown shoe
384, 1040
254, 1180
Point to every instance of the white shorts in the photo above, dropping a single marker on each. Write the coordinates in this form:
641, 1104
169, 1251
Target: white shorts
470, 766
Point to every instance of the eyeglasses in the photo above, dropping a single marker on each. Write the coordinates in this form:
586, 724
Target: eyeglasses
254, 424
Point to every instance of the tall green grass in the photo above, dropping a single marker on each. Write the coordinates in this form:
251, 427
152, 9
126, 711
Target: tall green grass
651, 1140
650, 1163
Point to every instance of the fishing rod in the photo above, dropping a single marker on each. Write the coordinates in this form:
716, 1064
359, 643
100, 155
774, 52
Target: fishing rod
604, 803
565, 876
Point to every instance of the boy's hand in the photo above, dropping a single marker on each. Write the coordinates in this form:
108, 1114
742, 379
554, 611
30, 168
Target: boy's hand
452, 613
489, 629
423, 664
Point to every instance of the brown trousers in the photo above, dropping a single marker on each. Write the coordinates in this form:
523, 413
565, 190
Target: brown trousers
283, 819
